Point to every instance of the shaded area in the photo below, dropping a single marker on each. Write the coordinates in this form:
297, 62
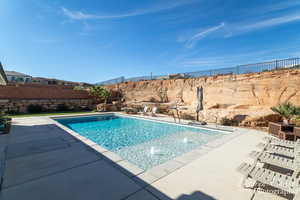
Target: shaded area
196, 196
45, 162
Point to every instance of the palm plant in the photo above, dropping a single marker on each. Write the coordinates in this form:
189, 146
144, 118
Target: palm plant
298, 114
287, 110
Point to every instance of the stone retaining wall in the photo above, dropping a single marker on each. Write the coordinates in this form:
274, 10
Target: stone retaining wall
16, 98
20, 91
20, 106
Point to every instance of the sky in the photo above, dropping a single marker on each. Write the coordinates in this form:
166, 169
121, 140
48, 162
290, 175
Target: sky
97, 40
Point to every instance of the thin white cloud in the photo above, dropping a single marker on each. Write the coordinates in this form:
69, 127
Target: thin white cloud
192, 41
271, 22
79, 15
238, 28
281, 5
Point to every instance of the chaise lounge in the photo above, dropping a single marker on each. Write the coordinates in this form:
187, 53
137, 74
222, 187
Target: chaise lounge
269, 177
286, 182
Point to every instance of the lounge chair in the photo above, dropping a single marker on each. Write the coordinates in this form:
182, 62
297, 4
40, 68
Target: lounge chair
280, 142
290, 152
154, 110
269, 177
286, 163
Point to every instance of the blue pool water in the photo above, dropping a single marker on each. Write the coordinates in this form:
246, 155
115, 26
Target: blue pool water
133, 138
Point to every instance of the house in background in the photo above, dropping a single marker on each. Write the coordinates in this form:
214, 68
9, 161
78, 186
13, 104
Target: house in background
17, 77
52, 81
3, 78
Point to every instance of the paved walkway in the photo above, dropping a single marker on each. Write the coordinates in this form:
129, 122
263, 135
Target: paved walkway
45, 162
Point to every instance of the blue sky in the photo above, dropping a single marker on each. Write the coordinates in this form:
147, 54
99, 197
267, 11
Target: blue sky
95, 40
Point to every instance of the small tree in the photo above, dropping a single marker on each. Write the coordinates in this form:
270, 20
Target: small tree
287, 110
100, 93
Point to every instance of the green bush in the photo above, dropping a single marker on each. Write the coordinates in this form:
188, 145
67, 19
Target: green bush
13, 112
34, 108
100, 93
2, 117
287, 110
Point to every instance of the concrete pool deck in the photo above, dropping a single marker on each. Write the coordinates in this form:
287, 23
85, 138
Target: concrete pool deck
44, 161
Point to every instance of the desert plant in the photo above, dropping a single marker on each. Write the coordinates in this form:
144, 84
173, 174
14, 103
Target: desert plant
100, 93
287, 110
34, 108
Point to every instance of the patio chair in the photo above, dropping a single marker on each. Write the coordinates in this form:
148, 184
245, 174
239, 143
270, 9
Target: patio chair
145, 110
280, 131
269, 177
280, 142
285, 151
275, 160
154, 110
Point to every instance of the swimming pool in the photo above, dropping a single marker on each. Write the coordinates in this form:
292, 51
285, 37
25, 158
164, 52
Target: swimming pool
144, 143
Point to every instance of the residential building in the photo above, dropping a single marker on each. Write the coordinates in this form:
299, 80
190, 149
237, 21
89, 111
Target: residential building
3, 78
17, 77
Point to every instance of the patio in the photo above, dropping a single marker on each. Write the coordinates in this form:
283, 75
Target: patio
44, 161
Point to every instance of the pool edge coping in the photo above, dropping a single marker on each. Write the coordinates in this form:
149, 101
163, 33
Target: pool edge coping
153, 174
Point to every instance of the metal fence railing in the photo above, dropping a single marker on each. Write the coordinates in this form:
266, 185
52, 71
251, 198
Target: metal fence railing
240, 69
112, 81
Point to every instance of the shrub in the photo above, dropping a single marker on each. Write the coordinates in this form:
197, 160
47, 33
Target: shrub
13, 112
287, 110
100, 93
298, 116
34, 108
2, 117
228, 122
62, 107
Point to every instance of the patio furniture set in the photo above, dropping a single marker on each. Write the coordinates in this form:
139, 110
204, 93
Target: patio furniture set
279, 161
284, 131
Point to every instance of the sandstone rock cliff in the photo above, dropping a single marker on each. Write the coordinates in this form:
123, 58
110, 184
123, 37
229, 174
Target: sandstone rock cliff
247, 96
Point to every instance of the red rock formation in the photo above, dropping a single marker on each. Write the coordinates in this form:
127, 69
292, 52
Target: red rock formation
251, 95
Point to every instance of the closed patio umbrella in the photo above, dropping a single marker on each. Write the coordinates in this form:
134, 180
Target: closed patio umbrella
199, 101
